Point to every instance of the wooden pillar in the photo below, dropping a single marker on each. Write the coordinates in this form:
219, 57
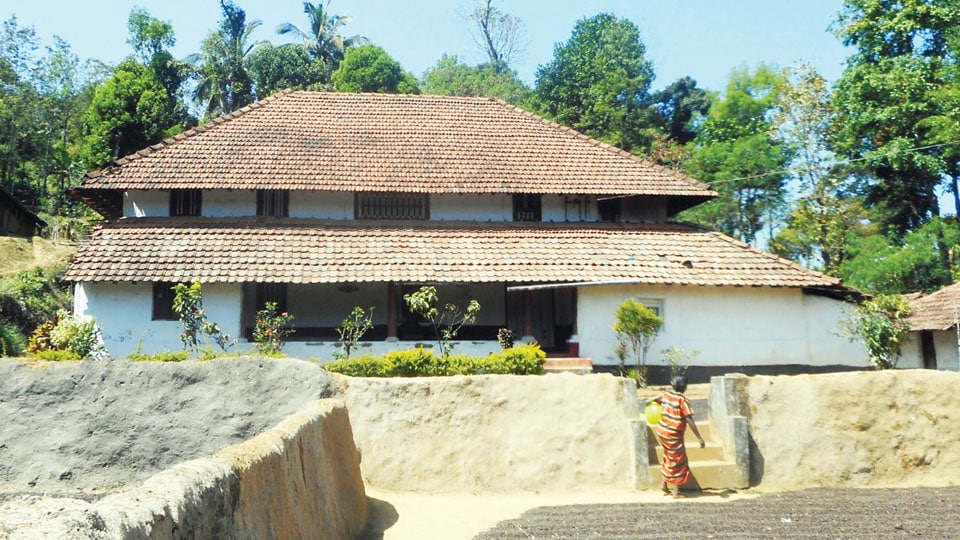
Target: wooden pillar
393, 298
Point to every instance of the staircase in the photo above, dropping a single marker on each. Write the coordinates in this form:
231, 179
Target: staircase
709, 468
568, 364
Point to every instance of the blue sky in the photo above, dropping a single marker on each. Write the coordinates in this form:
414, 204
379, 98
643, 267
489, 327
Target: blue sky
704, 39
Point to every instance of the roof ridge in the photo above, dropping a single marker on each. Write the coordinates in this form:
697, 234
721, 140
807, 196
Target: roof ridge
190, 133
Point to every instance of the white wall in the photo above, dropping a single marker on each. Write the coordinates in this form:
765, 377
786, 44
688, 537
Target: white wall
727, 325
124, 312
945, 344
142, 203
471, 207
228, 203
321, 205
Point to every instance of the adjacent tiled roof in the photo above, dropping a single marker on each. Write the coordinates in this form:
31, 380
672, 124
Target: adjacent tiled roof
378, 142
936, 311
320, 251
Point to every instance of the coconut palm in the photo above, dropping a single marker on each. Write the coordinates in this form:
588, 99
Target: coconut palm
224, 84
323, 40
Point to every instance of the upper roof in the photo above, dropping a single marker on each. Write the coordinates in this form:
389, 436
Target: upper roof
320, 251
936, 311
380, 142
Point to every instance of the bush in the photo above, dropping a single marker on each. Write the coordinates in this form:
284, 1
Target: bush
80, 336
420, 362
178, 356
54, 355
11, 341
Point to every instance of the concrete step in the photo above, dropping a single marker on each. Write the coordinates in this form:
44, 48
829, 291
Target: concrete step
688, 436
706, 474
712, 452
568, 365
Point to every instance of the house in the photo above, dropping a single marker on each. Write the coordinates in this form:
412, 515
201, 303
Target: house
933, 341
16, 219
323, 202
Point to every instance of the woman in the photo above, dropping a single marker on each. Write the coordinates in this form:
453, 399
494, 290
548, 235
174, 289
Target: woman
675, 415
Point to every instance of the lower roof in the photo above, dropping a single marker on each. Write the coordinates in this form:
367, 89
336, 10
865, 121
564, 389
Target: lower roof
936, 311
238, 250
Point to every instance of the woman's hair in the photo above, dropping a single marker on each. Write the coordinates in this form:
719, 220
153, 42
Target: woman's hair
679, 383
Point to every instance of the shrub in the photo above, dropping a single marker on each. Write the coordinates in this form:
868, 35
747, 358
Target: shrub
11, 341
166, 356
636, 327
420, 362
79, 336
447, 321
352, 329
40, 339
56, 355
188, 305
271, 329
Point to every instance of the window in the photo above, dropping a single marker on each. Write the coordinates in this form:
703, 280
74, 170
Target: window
527, 208
392, 206
273, 202
654, 304
609, 209
271, 292
185, 202
163, 301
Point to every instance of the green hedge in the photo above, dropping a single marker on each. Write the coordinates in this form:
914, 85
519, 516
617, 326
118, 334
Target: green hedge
420, 362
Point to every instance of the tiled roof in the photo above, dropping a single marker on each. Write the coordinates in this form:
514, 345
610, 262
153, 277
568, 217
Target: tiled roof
319, 251
936, 311
377, 142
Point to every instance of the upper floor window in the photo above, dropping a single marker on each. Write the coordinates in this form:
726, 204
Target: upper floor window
527, 208
380, 205
273, 202
185, 202
609, 209
271, 292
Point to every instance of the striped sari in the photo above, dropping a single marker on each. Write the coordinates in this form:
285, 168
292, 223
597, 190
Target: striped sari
673, 422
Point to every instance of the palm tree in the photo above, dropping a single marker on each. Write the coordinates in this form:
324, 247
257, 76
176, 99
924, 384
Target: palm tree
323, 41
224, 84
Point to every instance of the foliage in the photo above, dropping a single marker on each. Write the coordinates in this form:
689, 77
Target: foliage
678, 359
879, 264
886, 97
224, 83
30, 297
80, 336
271, 329
368, 68
636, 327
323, 41
420, 362
451, 77
681, 105
188, 305
56, 355
598, 81
11, 341
353, 327
737, 154
40, 338
506, 338
166, 356
881, 325
275, 68
447, 321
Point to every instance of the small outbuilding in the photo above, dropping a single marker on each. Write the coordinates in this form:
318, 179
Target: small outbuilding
16, 219
934, 341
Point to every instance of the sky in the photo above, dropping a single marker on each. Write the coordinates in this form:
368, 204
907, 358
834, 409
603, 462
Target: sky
703, 39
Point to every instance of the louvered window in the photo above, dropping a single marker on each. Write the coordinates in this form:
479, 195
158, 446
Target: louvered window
392, 206
273, 202
272, 292
527, 208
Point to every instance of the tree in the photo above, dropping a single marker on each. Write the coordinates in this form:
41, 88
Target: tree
274, 68
738, 156
323, 40
886, 97
224, 83
636, 327
681, 105
368, 68
827, 213
598, 82
500, 35
450, 77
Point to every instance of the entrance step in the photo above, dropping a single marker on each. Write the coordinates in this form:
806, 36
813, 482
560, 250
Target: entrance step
708, 467
568, 365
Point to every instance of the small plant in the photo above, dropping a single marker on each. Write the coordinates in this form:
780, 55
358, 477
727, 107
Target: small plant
881, 325
40, 339
636, 328
54, 355
352, 329
166, 356
679, 360
446, 322
506, 338
80, 336
11, 342
188, 305
271, 329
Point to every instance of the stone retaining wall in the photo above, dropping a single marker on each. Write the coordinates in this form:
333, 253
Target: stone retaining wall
300, 479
